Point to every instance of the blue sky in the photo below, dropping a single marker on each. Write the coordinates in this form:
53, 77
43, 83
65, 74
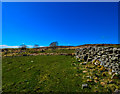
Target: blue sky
68, 23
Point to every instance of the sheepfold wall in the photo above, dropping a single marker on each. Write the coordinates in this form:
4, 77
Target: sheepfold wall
109, 57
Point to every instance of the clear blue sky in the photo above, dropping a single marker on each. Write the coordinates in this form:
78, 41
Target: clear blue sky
73, 23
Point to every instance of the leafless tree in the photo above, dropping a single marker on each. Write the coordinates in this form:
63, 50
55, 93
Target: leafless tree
54, 45
23, 47
36, 46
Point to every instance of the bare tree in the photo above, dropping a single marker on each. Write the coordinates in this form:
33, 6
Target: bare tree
23, 47
36, 46
53, 45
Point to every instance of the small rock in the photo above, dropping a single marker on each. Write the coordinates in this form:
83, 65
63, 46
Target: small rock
114, 76
113, 71
84, 71
84, 86
95, 81
89, 80
110, 73
80, 64
97, 62
102, 83
111, 82
31, 61
88, 77
89, 59
84, 63
116, 91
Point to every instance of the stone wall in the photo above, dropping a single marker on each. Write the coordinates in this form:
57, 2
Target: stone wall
109, 57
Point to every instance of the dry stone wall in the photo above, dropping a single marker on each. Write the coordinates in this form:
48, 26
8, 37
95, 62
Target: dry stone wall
109, 57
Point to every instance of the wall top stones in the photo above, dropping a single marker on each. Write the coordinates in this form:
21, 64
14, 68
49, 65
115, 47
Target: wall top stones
108, 56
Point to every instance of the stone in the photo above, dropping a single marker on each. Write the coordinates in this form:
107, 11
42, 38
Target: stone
89, 80
80, 64
102, 63
88, 77
116, 91
111, 82
95, 81
85, 57
84, 71
84, 86
114, 76
108, 56
106, 66
113, 71
84, 63
102, 83
97, 62
104, 56
89, 59
114, 58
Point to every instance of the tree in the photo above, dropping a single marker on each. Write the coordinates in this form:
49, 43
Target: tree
23, 47
54, 45
36, 46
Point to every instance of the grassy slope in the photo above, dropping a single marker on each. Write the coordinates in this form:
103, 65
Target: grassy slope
60, 51
46, 73
52, 73
53, 51
31, 51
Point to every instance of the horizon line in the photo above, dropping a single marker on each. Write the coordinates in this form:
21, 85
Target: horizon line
32, 46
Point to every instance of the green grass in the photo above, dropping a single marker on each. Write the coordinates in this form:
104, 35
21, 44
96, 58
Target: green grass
53, 51
51, 74
44, 74
60, 51
11, 52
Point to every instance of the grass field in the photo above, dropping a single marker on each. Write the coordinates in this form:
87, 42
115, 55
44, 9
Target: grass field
17, 52
39, 73
53, 74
